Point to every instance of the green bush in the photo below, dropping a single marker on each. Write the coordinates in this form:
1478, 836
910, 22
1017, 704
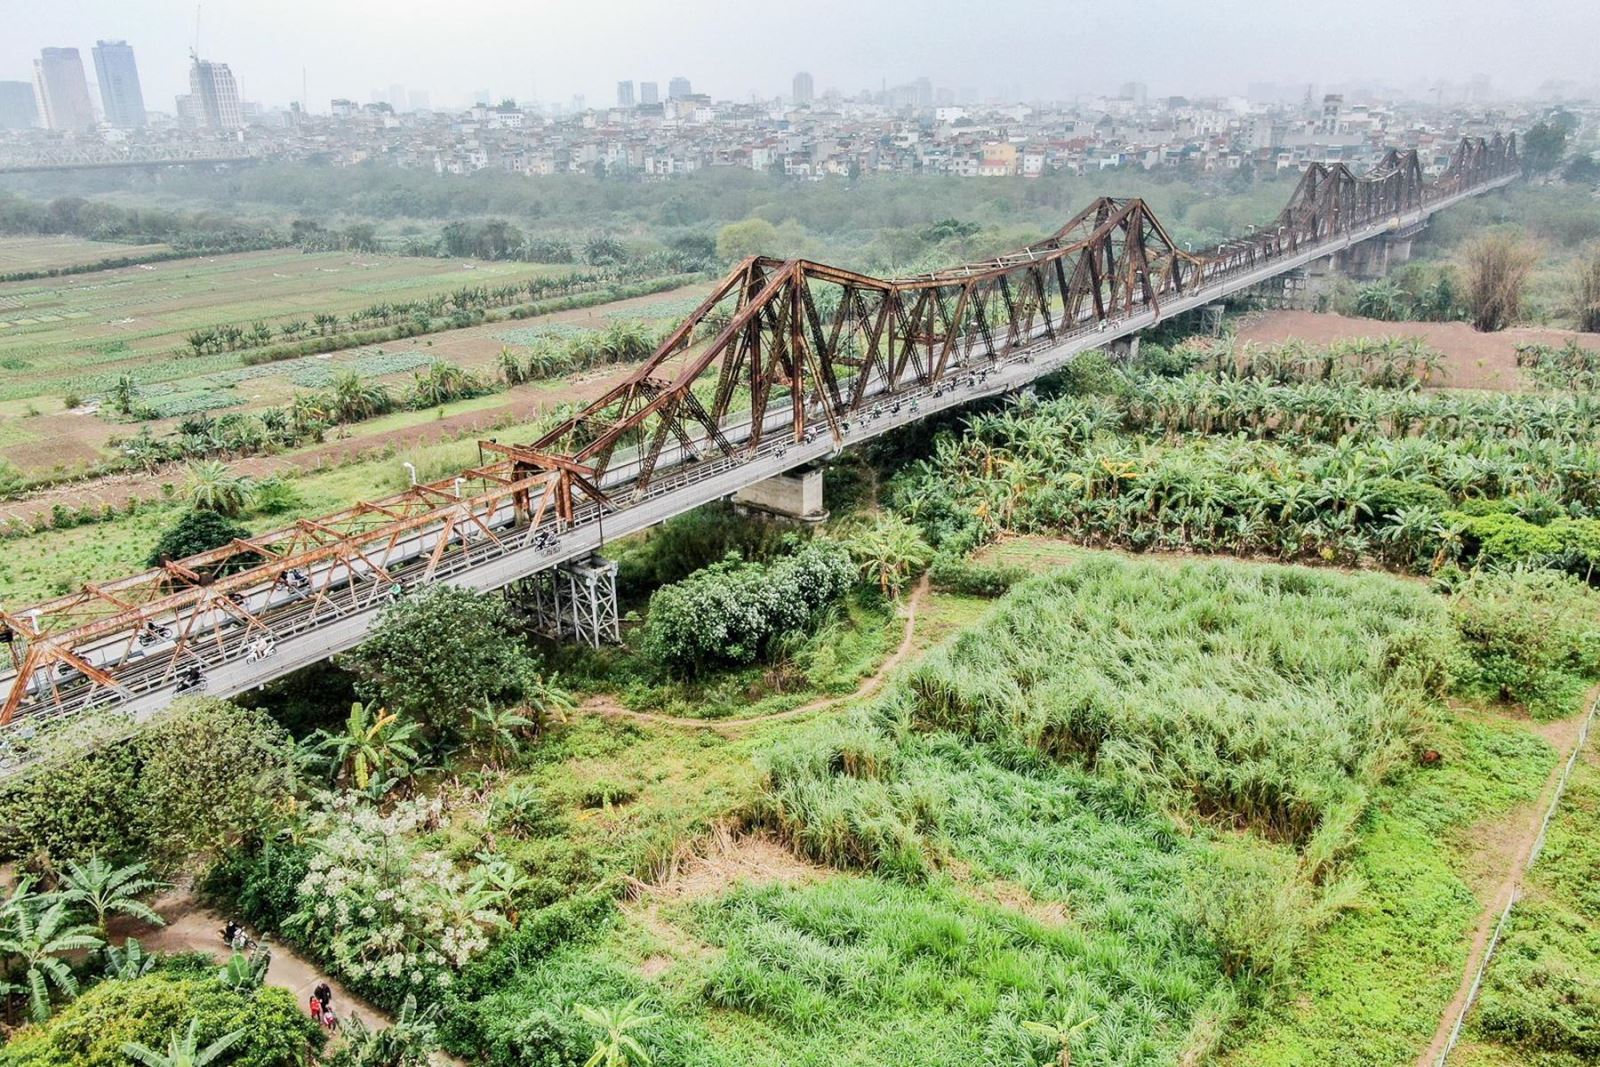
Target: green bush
441, 653
1531, 637
951, 573
196, 531
259, 884
194, 780
1497, 538
90, 1031
730, 612
1543, 989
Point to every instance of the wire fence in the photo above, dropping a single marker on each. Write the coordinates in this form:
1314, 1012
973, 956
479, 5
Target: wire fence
1516, 890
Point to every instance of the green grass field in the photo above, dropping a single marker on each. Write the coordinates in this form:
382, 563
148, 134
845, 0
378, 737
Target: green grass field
967, 866
61, 331
19, 254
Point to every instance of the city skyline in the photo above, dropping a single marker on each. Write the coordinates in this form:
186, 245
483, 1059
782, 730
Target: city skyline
278, 62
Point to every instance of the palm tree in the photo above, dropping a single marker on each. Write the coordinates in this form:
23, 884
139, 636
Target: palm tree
128, 962
504, 728
618, 1047
353, 398
889, 552
369, 744
103, 889
183, 1051
124, 392
214, 487
1060, 1033
33, 937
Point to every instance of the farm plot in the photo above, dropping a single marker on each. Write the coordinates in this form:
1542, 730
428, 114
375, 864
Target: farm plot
19, 254
38, 436
53, 334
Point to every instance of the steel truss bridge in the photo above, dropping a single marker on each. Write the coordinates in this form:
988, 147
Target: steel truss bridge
27, 159
784, 364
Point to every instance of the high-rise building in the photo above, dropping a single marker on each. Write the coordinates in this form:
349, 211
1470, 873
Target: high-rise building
802, 88
63, 90
17, 110
624, 94
1135, 92
678, 88
216, 94
1332, 109
648, 93
118, 76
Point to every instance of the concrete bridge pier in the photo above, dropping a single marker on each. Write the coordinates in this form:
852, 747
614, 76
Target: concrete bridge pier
1372, 259
1123, 350
795, 494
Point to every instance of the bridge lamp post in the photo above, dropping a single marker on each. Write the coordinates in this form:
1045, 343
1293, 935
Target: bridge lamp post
411, 469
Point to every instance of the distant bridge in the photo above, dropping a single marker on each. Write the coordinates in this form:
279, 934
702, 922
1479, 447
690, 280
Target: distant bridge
29, 159
785, 363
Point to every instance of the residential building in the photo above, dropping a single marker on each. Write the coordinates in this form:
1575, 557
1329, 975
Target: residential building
63, 89
803, 92
217, 94
118, 75
17, 108
649, 93
625, 94
678, 88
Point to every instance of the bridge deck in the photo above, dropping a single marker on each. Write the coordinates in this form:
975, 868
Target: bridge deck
639, 489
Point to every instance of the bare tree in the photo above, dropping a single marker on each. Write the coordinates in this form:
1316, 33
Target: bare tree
1497, 268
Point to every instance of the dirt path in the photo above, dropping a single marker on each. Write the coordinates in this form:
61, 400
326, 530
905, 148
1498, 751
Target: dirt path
1509, 852
1472, 360
608, 706
193, 928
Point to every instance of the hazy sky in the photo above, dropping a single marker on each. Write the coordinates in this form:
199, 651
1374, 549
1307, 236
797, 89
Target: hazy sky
551, 49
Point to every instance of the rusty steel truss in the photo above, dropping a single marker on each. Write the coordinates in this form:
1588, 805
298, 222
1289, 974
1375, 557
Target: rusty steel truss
786, 349
819, 343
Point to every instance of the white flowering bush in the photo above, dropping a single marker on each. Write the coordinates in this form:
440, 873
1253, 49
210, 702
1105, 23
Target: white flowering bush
384, 913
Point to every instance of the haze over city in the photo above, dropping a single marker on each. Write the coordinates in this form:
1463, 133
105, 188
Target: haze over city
830, 534
1021, 51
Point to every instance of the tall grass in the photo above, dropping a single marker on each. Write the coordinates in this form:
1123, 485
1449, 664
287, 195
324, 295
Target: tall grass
1264, 695
1094, 742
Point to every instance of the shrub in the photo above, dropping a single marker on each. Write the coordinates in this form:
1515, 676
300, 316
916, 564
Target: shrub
951, 573
388, 915
1532, 637
260, 883
196, 531
90, 1031
730, 612
198, 778
440, 653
